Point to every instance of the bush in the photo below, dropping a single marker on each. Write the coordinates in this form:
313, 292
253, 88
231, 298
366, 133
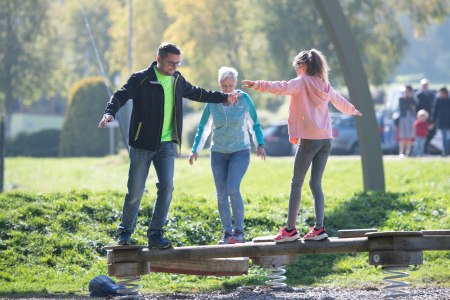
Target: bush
80, 135
43, 143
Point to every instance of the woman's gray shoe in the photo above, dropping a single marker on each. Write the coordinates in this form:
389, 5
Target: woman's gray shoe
225, 239
238, 237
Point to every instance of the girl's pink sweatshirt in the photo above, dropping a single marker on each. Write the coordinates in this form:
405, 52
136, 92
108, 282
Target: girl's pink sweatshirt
308, 108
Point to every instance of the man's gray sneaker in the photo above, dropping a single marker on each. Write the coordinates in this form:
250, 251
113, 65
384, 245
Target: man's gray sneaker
225, 239
238, 237
157, 241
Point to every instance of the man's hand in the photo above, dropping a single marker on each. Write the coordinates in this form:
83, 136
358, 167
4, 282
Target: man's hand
261, 152
233, 97
192, 157
105, 120
248, 84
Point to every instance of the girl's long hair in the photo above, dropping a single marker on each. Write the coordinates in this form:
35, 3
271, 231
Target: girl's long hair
315, 61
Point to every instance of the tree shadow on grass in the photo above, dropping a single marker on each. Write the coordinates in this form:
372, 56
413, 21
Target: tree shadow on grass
364, 210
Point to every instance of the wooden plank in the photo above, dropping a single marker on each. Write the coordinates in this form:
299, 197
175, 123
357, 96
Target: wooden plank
249, 249
436, 232
352, 233
124, 247
263, 239
428, 242
394, 233
212, 267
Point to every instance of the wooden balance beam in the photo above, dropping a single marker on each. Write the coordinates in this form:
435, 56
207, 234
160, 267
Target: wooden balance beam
385, 248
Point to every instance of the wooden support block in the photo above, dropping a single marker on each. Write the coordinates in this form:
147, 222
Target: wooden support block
352, 233
127, 269
393, 240
213, 267
275, 261
395, 258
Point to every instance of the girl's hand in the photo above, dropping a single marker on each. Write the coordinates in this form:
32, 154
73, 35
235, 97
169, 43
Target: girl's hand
358, 113
248, 84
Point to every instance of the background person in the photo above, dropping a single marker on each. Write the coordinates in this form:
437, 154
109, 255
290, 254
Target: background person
230, 151
407, 107
421, 127
442, 118
425, 100
308, 124
156, 123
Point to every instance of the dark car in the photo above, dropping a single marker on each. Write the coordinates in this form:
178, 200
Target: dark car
276, 140
346, 136
344, 132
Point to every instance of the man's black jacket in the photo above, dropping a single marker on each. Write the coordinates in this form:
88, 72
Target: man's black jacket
147, 116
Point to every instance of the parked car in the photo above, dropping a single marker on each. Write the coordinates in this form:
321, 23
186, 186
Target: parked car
276, 140
344, 132
346, 136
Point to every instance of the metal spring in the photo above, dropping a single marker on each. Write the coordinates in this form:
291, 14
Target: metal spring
395, 286
276, 277
131, 290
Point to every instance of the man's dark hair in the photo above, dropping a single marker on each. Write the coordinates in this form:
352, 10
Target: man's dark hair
165, 48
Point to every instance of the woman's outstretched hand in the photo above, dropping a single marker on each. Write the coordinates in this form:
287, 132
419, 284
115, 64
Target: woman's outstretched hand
358, 113
247, 83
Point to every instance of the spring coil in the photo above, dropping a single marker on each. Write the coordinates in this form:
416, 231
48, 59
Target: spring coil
395, 286
276, 277
131, 288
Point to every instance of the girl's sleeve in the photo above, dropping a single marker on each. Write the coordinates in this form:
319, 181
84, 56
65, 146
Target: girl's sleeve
290, 87
203, 130
341, 103
253, 122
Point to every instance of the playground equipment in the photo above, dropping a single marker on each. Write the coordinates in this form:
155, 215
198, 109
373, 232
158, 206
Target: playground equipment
392, 251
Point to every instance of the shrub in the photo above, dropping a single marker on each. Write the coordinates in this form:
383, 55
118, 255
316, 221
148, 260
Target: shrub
80, 135
43, 143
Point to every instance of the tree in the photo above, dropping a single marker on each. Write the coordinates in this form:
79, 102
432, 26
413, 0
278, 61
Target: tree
23, 71
375, 25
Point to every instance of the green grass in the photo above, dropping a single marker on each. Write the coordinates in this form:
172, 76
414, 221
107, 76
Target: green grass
58, 214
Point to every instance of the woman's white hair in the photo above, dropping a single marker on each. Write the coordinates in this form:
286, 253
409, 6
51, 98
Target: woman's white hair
225, 72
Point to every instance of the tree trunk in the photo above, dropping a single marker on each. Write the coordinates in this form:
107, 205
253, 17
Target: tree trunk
2, 152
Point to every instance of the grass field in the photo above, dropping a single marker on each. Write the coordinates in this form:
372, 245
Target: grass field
57, 215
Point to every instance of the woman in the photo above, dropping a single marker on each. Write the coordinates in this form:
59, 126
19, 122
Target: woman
230, 152
407, 107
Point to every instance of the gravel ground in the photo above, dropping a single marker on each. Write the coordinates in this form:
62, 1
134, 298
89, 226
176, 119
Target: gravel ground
267, 293
318, 293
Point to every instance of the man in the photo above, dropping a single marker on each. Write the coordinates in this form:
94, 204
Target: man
156, 123
425, 100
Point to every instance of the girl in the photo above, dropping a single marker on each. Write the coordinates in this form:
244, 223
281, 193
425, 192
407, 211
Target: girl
309, 125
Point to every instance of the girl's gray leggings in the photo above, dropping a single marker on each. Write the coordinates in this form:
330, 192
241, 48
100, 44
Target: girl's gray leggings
309, 152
